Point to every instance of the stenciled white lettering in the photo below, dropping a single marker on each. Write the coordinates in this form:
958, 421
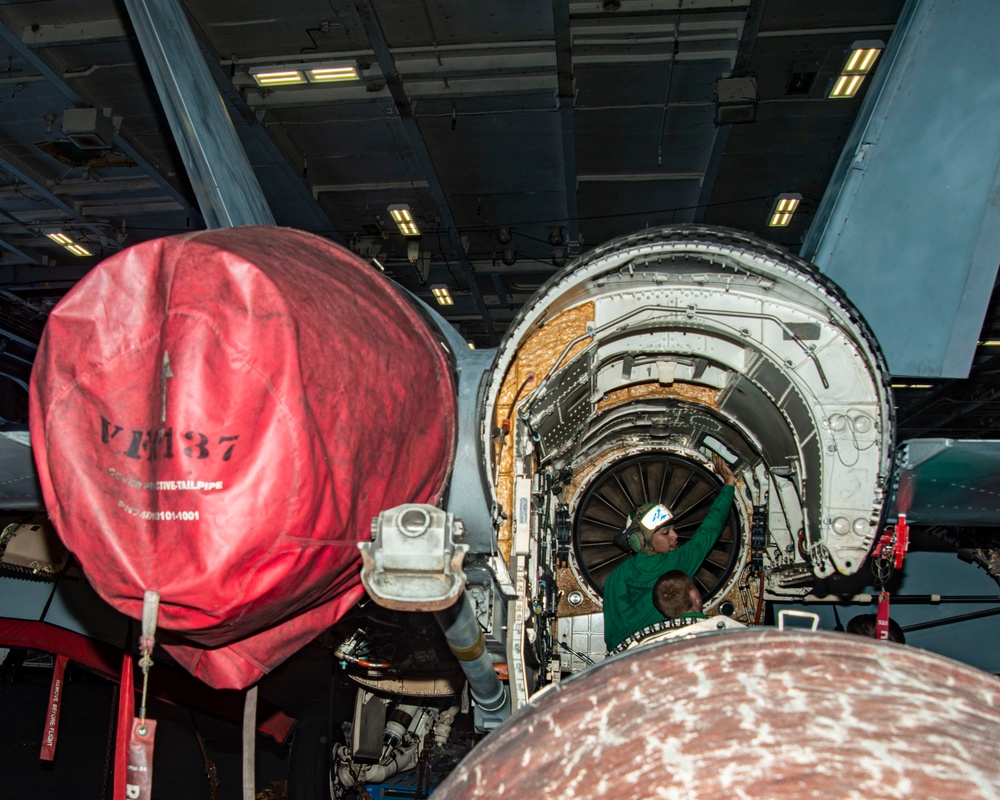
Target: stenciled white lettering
184, 486
133, 482
159, 516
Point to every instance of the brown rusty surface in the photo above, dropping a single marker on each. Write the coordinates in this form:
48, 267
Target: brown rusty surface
535, 356
702, 395
745, 597
567, 582
750, 714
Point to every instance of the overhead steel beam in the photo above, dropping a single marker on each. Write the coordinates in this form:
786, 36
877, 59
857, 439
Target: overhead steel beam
75, 33
19, 339
122, 139
225, 183
301, 206
15, 251
943, 391
12, 276
566, 96
741, 63
25, 254
38, 184
393, 81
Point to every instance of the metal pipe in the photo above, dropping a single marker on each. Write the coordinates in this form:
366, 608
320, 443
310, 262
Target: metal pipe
916, 599
461, 629
937, 623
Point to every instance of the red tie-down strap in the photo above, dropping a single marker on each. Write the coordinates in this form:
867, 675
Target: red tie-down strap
173, 685
126, 710
882, 620
55, 704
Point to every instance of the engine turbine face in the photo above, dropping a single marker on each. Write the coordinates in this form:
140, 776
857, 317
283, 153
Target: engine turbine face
643, 358
656, 476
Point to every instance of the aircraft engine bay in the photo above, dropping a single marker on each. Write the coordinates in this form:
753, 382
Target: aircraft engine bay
637, 363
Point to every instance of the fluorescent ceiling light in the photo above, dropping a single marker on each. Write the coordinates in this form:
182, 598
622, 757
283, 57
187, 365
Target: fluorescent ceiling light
378, 264
862, 57
298, 74
69, 244
783, 209
990, 343
442, 295
859, 63
278, 77
472, 345
401, 215
846, 87
331, 74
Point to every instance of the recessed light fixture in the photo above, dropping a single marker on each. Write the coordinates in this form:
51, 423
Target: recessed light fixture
859, 63
472, 345
332, 74
783, 209
401, 215
268, 75
69, 244
442, 295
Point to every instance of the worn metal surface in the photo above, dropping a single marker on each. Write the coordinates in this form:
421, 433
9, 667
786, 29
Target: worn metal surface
948, 482
223, 180
414, 560
19, 488
911, 214
755, 714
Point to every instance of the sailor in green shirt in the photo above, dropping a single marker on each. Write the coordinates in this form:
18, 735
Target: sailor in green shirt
628, 602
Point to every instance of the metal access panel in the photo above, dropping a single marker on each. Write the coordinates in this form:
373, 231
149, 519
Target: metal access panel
910, 223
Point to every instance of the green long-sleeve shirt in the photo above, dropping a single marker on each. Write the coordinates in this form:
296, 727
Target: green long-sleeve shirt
628, 591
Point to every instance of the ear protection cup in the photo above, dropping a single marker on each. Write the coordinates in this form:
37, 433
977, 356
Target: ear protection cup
640, 526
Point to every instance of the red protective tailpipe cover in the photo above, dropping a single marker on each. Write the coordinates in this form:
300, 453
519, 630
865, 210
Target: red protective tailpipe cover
218, 416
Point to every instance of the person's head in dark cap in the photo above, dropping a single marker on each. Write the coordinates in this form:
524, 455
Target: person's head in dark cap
866, 625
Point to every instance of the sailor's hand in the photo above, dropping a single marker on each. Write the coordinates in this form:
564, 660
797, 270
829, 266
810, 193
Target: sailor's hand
724, 470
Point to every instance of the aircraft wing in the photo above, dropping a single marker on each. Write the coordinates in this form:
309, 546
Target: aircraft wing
948, 482
18, 481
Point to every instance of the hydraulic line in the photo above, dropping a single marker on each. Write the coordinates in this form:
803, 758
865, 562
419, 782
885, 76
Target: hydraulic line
461, 629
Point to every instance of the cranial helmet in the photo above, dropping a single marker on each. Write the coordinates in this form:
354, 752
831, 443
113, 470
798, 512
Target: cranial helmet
640, 526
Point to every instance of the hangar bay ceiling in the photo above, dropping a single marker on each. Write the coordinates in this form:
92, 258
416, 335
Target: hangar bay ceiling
519, 137
471, 153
